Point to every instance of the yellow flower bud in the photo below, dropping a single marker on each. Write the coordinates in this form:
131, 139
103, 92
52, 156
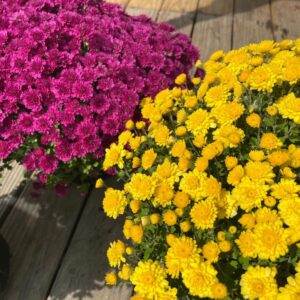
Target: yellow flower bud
270, 201
111, 278
180, 131
219, 290
135, 206
232, 229
253, 120
177, 92
140, 125
198, 64
145, 220
201, 164
179, 212
181, 116
129, 125
190, 101
170, 238
99, 183
221, 235
272, 110
196, 80
181, 79
230, 162
225, 246
199, 141
136, 162
185, 226
129, 250
154, 219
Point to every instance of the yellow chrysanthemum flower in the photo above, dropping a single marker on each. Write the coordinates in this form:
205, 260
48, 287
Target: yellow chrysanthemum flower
182, 253
170, 217
230, 162
199, 122
289, 107
257, 155
115, 253
211, 251
286, 189
259, 283
270, 141
141, 187
125, 272
259, 171
163, 194
161, 135
149, 279
270, 240
227, 113
181, 200
168, 172
111, 278
203, 214
278, 158
266, 215
249, 194
247, 220
246, 244
216, 96
192, 184
148, 159
289, 210
200, 278
136, 233
253, 120
262, 79
114, 202
229, 135
114, 156
291, 291
219, 291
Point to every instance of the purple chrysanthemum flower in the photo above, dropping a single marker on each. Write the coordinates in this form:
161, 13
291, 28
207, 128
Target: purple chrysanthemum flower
72, 72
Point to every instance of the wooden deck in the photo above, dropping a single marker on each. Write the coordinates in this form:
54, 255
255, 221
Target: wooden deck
58, 245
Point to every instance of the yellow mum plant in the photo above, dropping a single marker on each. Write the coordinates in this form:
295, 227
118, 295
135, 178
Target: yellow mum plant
211, 182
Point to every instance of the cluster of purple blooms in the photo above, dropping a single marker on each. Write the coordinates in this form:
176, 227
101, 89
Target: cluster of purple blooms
73, 71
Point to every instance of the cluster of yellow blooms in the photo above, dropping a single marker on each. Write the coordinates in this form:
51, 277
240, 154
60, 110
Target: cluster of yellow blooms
212, 186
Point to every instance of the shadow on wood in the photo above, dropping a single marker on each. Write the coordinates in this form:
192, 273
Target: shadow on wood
81, 275
58, 246
213, 9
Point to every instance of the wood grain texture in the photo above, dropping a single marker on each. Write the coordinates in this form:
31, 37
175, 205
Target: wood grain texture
85, 264
213, 27
123, 3
149, 8
252, 21
10, 186
286, 19
37, 231
180, 14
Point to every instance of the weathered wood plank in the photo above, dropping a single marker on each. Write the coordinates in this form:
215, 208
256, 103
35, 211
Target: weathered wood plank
285, 17
149, 8
180, 14
252, 21
37, 231
213, 27
10, 187
123, 3
85, 263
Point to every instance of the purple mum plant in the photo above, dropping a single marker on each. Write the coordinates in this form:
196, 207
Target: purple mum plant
71, 74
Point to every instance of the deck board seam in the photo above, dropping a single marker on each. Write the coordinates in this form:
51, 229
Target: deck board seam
195, 19
69, 240
271, 19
